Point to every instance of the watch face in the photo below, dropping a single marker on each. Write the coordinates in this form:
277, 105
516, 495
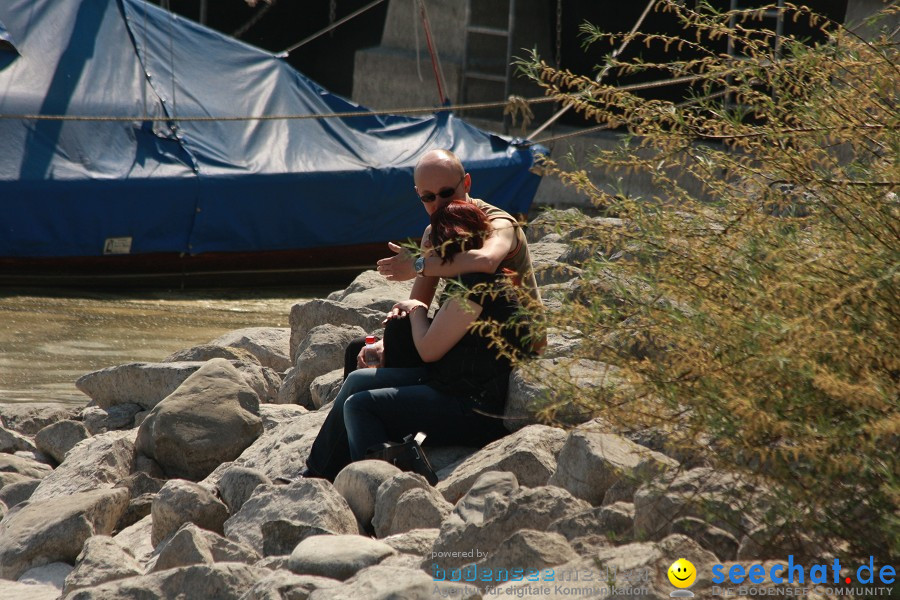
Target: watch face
420, 264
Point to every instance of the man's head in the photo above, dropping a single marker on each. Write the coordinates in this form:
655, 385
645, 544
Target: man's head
440, 178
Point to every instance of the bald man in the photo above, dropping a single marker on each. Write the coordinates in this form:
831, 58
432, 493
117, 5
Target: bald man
440, 178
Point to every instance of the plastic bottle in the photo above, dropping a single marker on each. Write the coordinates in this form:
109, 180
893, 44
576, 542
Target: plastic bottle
370, 355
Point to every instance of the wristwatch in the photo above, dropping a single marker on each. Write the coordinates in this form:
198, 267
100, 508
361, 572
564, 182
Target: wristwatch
420, 266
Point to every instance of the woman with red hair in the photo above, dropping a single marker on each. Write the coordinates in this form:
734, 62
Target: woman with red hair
457, 393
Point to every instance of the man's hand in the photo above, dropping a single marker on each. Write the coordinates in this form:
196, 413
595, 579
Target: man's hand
379, 350
400, 267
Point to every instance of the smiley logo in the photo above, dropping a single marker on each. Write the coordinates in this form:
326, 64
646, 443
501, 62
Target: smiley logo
682, 573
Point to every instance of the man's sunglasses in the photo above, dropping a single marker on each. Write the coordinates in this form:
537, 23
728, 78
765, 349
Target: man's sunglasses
443, 193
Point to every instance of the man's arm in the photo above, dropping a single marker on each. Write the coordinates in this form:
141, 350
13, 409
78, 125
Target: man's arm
483, 260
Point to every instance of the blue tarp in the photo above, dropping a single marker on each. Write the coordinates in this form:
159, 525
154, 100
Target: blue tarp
192, 186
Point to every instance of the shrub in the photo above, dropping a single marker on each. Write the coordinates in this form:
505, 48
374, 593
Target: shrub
753, 311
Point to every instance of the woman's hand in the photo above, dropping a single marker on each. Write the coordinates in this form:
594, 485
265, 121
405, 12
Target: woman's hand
402, 309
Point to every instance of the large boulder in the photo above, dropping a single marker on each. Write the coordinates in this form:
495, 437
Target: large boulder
146, 384
325, 388
205, 352
191, 545
137, 538
222, 581
358, 483
532, 388
489, 487
337, 556
237, 484
99, 420
391, 583
371, 290
529, 549
279, 452
312, 502
210, 419
530, 454
406, 502
15, 488
524, 508
97, 462
320, 352
29, 418
101, 560
56, 439
417, 542
28, 467
613, 523
270, 345
306, 315
13, 441
591, 462
725, 500
180, 502
55, 530
284, 585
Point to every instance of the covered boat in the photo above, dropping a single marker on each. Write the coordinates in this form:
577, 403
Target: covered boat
200, 154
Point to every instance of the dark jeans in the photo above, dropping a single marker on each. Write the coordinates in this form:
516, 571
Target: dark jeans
382, 405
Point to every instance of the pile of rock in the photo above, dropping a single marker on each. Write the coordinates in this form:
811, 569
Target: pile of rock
163, 485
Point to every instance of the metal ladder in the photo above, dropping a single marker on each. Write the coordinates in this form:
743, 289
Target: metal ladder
473, 29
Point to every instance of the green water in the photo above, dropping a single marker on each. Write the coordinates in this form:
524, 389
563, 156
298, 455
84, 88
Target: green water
49, 338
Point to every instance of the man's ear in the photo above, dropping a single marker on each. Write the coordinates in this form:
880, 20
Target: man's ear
467, 183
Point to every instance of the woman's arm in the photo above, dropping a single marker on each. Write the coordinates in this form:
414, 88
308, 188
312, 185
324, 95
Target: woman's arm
449, 326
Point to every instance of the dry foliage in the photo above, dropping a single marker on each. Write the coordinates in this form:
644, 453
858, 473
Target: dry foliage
756, 322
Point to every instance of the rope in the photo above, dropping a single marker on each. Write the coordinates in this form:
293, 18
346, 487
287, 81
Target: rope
331, 27
435, 64
602, 73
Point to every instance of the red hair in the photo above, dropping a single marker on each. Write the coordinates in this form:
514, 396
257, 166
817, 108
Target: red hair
458, 226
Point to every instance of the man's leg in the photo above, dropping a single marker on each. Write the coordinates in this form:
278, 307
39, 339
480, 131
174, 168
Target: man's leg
350, 354
374, 416
331, 451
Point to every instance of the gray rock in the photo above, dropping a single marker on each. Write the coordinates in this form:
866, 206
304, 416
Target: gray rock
265, 381
325, 388
13, 590
419, 508
358, 483
386, 498
12, 441
284, 585
270, 345
774, 539
54, 530
222, 581
58, 438
719, 542
306, 315
135, 383
99, 420
530, 454
210, 419
140, 483
191, 545
274, 415
11, 463
280, 537
371, 290
96, 462
237, 484
280, 452
591, 461
180, 502
321, 351
337, 556
53, 574
537, 386
101, 560
525, 508
614, 523
29, 418
205, 352
310, 501
393, 583
724, 500
530, 549
138, 507
414, 541
477, 502
17, 490
136, 538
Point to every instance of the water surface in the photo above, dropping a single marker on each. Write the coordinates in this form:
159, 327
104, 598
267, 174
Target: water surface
49, 338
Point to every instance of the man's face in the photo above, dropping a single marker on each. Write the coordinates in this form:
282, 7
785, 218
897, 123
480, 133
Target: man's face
437, 187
